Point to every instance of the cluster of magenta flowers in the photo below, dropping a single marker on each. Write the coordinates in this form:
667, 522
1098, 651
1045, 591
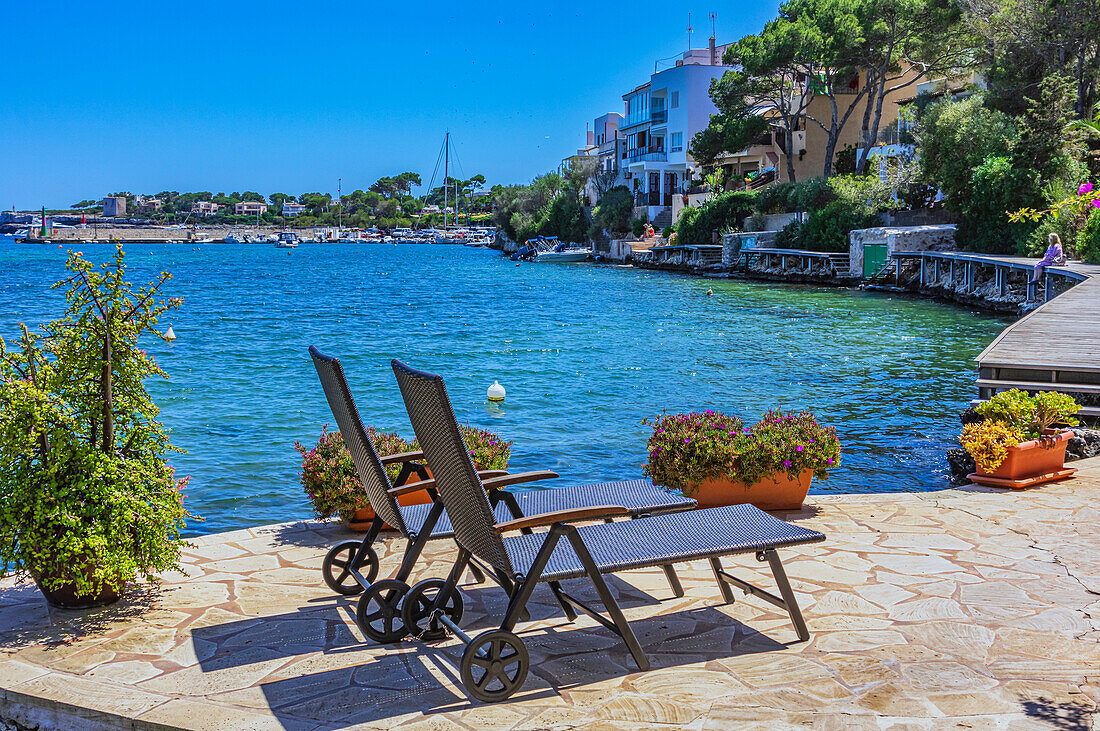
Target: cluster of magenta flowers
1084, 190
686, 449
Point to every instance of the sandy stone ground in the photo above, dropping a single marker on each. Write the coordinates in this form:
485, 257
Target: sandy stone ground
964, 608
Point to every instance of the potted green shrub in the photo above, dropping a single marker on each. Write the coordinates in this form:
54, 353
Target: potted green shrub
88, 500
332, 484
718, 460
1016, 444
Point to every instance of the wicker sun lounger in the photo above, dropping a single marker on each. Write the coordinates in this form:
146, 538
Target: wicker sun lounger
495, 663
351, 567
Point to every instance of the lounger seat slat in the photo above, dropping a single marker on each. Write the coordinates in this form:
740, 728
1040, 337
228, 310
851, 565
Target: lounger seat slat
638, 496
662, 539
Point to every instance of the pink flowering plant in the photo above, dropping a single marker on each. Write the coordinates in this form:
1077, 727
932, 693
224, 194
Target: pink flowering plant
1087, 198
329, 477
488, 450
331, 481
686, 449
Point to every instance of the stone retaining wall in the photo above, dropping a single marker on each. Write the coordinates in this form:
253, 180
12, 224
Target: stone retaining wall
899, 238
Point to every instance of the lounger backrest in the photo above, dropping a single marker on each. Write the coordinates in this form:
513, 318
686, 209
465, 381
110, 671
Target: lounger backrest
456, 478
371, 472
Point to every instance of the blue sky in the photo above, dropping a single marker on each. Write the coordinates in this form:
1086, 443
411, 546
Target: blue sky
288, 97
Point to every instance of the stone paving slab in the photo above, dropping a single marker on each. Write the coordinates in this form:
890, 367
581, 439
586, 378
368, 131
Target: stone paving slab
968, 608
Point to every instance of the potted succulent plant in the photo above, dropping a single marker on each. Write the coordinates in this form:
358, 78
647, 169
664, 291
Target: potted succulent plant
1016, 444
88, 501
329, 478
718, 460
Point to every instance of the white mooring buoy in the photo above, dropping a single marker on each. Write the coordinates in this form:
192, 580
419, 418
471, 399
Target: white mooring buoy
496, 392
171, 334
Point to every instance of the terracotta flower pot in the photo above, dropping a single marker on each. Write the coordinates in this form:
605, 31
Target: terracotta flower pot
776, 492
360, 522
1030, 463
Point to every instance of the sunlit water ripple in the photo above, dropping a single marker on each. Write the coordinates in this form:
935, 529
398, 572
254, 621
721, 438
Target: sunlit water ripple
585, 353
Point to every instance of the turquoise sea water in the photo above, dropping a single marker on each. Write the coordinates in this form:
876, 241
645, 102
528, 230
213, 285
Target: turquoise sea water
584, 351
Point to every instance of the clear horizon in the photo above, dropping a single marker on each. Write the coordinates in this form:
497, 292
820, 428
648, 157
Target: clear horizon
261, 97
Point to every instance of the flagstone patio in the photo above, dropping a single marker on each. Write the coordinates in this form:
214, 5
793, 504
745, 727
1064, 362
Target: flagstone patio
965, 608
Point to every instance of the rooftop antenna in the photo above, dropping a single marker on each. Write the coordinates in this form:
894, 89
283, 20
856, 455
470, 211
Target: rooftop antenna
689, 31
713, 15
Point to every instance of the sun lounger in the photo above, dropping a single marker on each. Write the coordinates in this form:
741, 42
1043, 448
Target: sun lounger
351, 567
495, 663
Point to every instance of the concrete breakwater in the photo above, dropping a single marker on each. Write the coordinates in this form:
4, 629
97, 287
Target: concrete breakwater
152, 234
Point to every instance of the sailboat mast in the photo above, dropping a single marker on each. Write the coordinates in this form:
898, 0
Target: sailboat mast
446, 174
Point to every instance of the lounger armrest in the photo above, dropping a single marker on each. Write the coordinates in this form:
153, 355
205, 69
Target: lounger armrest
591, 512
424, 484
411, 487
402, 457
495, 483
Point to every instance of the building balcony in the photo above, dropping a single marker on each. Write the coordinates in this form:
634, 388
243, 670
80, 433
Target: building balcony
646, 154
658, 116
893, 134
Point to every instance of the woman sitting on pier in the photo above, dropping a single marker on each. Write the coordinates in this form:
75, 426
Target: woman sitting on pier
1055, 256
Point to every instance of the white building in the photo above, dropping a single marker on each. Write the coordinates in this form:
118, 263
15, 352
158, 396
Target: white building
662, 115
291, 209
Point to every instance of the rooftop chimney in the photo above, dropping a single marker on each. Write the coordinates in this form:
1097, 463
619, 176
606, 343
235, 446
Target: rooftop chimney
590, 135
713, 53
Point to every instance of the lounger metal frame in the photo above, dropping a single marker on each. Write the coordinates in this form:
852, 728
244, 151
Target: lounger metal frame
495, 663
378, 613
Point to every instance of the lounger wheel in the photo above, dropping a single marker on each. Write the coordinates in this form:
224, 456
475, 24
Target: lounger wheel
379, 612
416, 610
494, 665
337, 567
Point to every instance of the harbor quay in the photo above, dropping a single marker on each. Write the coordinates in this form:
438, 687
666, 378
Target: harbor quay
967, 608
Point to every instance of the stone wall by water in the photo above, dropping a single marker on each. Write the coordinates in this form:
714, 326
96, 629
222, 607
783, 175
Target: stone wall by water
899, 239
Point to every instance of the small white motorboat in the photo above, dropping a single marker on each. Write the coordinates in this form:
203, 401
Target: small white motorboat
287, 240
559, 252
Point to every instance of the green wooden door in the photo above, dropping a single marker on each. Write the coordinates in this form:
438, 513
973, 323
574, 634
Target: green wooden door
874, 258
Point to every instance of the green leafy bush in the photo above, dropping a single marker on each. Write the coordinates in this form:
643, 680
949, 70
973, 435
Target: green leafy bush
637, 226
686, 449
614, 210
827, 228
1088, 242
88, 500
800, 196
834, 209
997, 186
565, 218
721, 212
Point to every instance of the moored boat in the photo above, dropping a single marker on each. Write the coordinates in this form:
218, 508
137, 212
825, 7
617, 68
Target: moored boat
287, 240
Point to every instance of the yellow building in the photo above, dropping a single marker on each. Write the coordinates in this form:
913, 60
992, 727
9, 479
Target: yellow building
765, 161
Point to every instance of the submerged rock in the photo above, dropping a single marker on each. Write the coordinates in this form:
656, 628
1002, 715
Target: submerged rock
962, 464
970, 416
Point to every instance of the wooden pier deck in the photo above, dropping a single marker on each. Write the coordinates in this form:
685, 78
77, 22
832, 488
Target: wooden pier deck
1056, 347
